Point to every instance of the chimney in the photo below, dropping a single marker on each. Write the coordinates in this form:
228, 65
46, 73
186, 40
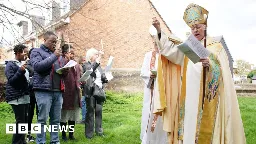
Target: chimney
75, 4
55, 11
37, 22
24, 27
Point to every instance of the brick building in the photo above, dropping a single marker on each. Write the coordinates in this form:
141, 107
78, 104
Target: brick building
6, 54
122, 25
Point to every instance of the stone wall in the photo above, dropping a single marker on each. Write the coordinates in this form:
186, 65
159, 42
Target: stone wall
126, 80
246, 89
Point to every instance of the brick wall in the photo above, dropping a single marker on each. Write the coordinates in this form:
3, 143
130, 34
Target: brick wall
5, 54
123, 25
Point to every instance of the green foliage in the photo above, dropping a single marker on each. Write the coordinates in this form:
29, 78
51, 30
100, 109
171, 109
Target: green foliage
251, 74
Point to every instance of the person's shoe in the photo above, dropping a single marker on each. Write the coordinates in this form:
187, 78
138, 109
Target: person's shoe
64, 138
30, 139
71, 136
54, 142
99, 132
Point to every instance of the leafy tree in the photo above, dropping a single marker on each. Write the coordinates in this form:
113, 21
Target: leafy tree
243, 67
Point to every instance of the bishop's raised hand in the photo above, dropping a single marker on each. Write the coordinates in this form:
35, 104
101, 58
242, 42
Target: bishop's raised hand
156, 24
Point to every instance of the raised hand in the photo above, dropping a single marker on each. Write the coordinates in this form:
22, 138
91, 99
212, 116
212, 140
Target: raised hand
23, 67
152, 75
57, 52
156, 24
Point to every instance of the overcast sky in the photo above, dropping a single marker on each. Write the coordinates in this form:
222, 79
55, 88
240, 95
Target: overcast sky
234, 19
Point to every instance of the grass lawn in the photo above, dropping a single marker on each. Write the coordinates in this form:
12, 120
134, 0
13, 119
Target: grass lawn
121, 121
248, 112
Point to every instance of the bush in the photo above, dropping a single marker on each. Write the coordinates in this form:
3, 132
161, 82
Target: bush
251, 74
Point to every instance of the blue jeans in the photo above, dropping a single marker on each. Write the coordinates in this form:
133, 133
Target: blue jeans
49, 104
83, 108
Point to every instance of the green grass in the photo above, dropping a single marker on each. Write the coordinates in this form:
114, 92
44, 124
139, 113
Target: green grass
248, 112
121, 121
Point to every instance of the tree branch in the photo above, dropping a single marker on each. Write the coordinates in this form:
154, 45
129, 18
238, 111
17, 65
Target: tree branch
21, 14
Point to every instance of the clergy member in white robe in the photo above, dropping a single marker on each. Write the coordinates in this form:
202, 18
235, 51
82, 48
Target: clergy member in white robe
219, 120
151, 131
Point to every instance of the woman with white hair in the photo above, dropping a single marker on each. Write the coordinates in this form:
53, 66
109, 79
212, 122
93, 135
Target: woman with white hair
94, 93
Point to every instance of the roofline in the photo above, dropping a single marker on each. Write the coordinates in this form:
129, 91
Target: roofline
82, 5
40, 32
60, 22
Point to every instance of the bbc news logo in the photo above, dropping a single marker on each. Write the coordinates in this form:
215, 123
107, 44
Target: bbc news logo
36, 128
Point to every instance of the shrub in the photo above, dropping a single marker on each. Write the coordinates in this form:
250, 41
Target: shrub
251, 74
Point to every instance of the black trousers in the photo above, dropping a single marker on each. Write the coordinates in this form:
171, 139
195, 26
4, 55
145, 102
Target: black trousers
31, 109
94, 109
21, 116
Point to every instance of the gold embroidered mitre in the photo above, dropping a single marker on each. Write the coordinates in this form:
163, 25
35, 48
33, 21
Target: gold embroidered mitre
195, 14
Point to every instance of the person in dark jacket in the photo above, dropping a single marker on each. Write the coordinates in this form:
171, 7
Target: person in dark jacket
93, 105
48, 85
17, 89
32, 105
